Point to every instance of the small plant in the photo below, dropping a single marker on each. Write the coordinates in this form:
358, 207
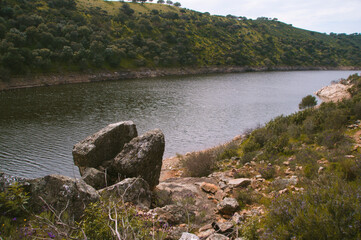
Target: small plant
267, 172
13, 200
247, 196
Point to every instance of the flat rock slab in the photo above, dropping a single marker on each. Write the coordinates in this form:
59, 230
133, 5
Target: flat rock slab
103, 145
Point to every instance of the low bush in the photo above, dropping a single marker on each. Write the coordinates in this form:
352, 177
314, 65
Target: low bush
267, 172
332, 139
199, 164
330, 208
247, 196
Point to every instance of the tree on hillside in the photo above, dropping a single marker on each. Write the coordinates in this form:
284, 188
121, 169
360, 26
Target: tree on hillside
169, 2
177, 4
160, 1
307, 102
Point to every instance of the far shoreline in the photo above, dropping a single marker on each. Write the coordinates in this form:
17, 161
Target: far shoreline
70, 78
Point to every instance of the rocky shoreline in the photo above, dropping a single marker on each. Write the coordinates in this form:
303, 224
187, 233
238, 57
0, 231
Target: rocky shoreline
117, 163
69, 78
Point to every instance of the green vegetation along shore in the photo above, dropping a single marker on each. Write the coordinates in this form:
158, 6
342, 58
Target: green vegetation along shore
90, 36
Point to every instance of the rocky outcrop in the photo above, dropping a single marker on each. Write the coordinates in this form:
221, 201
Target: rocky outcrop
115, 153
61, 193
334, 93
103, 145
141, 157
134, 190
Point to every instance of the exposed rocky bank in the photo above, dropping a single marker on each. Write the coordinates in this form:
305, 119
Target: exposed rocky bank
68, 78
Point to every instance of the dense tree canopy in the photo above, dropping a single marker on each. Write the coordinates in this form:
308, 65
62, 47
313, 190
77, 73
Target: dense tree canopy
38, 36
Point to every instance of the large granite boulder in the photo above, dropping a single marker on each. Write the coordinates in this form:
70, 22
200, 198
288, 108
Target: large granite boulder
103, 145
134, 190
64, 194
141, 157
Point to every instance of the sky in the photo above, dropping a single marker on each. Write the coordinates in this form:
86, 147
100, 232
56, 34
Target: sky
325, 16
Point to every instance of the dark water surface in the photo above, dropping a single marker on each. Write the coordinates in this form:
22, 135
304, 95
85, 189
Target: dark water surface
39, 126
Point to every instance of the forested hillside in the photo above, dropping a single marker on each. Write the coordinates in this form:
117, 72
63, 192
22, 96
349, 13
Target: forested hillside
38, 36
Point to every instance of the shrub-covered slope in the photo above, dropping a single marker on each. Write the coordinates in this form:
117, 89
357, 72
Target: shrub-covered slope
38, 36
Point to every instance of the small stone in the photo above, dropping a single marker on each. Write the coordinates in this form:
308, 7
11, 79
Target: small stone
320, 170
209, 188
349, 156
228, 206
283, 191
286, 163
205, 234
239, 182
188, 236
217, 236
206, 227
237, 218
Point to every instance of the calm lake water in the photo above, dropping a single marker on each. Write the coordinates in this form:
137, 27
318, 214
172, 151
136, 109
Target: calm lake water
39, 126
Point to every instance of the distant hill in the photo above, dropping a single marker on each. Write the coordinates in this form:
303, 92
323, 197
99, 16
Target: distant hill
38, 36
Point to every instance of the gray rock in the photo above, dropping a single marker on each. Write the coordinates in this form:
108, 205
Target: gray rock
205, 234
61, 193
239, 182
188, 236
141, 157
94, 178
103, 145
282, 183
225, 228
173, 214
187, 191
217, 236
134, 190
228, 206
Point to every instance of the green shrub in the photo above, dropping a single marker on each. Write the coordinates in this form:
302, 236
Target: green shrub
330, 208
247, 196
267, 172
227, 151
13, 200
332, 139
307, 102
